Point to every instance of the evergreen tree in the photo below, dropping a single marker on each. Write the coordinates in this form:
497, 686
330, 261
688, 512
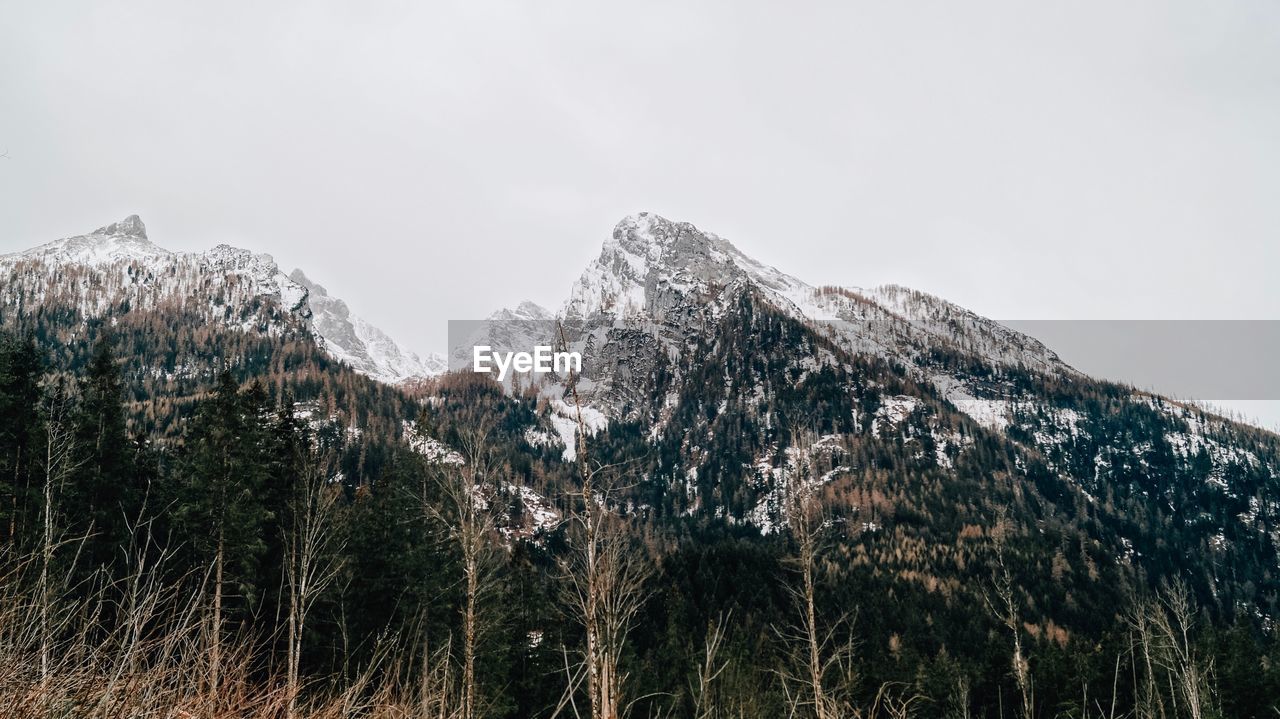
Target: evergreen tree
287, 453
105, 494
20, 369
220, 510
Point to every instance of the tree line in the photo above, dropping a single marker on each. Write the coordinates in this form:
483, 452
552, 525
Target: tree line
235, 568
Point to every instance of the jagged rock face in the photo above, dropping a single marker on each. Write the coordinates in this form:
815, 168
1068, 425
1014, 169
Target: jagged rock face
653, 272
117, 269
365, 348
524, 312
669, 280
710, 354
650, 292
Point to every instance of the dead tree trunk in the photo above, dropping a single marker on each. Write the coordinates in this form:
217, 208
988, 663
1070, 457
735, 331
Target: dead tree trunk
59, 463
815, 658
470, 485
310, 562
604, 579
1005, 608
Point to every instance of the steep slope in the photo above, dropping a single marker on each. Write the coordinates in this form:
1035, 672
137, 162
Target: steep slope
723, 378
663, 277
352, 340
117, 269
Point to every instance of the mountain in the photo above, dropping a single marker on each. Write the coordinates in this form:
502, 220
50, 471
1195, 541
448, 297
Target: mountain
950, 456
118, 265
939, 442
505, 330
672, 278
367, 349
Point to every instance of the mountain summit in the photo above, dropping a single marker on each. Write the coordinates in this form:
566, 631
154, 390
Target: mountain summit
118, 241
226, 285
130, 226
674, 279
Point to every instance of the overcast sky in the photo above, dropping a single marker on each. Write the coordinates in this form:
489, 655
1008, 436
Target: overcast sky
428, 161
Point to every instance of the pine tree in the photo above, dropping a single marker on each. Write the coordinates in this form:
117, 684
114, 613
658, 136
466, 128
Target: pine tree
220, 509
287, 454
20, 370
105, 495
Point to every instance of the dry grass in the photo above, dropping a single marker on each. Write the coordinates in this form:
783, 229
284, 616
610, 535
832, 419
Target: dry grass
154, 661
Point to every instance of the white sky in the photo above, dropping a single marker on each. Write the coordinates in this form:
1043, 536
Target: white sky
428, 161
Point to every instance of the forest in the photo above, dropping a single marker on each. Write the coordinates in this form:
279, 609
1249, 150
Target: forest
238, 558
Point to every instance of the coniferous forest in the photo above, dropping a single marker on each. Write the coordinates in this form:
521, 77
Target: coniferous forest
594, 360
259, 542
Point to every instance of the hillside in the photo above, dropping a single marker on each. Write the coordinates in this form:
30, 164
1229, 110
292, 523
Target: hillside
950, 516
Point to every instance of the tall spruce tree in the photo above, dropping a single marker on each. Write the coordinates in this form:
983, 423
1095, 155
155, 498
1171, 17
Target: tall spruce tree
220, 509
287, 453
20, 370
104, 496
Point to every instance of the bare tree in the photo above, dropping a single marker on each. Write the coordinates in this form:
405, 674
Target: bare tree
1164, 626
1005, 606
605, 578
312, 551
888, 703
702, 687
59, 462
820, 667
470, 486
1148, 702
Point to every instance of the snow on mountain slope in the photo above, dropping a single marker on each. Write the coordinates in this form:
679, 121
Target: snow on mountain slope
120, 241
117, 268
365, 348
506, 330
664, 278
651, 264
524, 312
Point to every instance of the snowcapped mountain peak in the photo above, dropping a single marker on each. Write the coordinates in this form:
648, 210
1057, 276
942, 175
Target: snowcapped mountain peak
525, 311
134, 272
533, 311
651, 264
643, 234
130, 226
668, 280
125, 240
365, 348
658, 241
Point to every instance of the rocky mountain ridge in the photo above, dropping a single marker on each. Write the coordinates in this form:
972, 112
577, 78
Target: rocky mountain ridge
119, 266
